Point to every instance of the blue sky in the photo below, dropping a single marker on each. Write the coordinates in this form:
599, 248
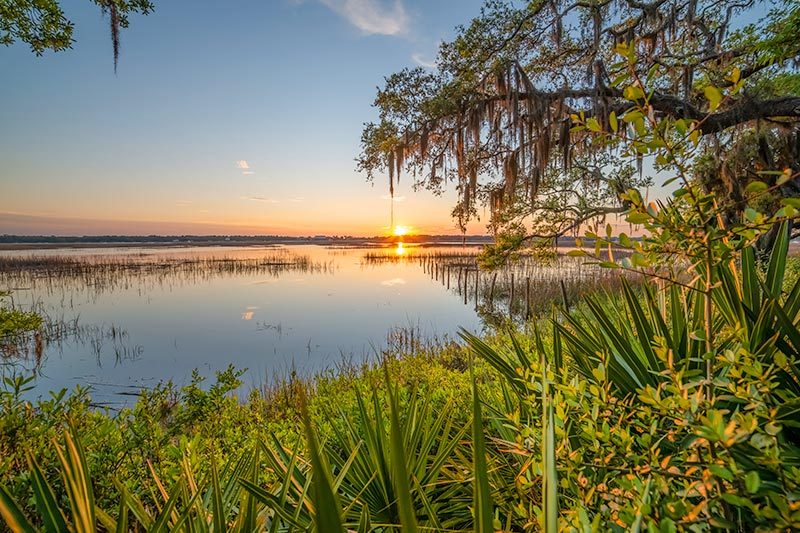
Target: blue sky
224, 117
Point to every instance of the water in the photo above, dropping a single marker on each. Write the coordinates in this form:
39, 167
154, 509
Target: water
138, 327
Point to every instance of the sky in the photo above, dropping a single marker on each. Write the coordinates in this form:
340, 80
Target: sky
240, 117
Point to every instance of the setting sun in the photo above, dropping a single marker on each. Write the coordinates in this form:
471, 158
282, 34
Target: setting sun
400, 231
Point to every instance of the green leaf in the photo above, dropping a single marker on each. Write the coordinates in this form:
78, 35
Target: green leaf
785, 177
714, 97
12, 514
77, 483
46, 500
638, 217
217, 508
549, 472
135, 505
738, 501
633, 92
752, 482
122, 515
612, 121
792, 202
162, 521
639, 260
640, 512
402, 485
364, 521
481, 498
327, 515
721, 471
755, 187
777, 261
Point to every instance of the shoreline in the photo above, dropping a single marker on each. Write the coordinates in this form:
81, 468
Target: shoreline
421, 240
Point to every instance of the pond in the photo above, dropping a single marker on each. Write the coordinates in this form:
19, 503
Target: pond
127, 318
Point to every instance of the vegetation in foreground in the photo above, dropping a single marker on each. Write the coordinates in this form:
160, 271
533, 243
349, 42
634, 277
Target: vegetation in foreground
671, 408
602, 419
15, 323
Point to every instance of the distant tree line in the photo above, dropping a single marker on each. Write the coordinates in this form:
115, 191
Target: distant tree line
222, 239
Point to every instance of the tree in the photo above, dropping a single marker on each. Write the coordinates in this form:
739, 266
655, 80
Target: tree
43, 26
498, 116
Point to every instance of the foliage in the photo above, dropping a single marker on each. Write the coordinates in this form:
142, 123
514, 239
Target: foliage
15, 322
660, 455
498, 114
673, 407
42, 24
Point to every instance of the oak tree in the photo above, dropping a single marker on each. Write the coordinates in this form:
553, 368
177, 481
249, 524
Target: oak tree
497, 116
42, 24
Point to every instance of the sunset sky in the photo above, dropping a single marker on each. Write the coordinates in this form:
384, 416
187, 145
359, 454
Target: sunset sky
224, 117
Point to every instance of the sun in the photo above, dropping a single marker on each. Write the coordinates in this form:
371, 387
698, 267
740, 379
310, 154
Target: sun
400, 231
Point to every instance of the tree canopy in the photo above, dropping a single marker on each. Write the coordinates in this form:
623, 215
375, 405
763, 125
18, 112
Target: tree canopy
509, 114
43, 25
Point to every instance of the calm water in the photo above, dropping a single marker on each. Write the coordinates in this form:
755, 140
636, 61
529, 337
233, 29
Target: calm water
136, 329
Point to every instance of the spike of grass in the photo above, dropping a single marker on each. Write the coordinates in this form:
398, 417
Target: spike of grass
77, 483
549, 473
482, 499
46, 500
327, 512
12, 514
408, 518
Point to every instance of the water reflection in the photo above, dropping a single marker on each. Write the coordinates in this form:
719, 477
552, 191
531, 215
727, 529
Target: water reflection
267, 310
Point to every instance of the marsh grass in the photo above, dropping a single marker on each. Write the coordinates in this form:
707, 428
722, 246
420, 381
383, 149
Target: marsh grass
521, 290
98, 274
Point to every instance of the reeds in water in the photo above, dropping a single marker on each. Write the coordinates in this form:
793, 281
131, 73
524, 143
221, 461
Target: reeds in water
102, 273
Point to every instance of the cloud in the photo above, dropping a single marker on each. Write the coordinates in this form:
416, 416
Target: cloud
183, 203
421, 61
260, 199
244, 166
396, 198
297, 199
382, 17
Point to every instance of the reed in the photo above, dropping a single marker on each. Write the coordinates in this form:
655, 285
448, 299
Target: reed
98, 274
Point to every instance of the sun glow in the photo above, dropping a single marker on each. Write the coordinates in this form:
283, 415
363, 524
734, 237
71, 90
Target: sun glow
399, 250
401, 231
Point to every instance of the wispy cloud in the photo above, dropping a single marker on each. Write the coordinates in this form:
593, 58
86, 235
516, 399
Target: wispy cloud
383, 17
297, 199
244, 166
396, 198
421, 61
183, 203
260, 199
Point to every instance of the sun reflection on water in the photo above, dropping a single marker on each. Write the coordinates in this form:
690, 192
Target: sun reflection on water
399, 250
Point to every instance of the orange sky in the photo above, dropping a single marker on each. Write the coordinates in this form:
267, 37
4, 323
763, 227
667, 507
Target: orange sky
367, 214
